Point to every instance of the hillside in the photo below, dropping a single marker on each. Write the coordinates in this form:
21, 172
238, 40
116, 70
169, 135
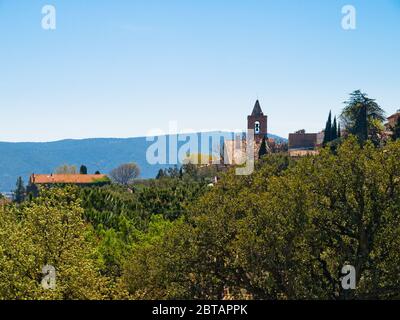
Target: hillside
103, 154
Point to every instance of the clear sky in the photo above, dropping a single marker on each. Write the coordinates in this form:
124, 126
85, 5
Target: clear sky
119, 68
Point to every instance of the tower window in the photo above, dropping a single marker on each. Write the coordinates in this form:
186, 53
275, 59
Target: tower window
257, 127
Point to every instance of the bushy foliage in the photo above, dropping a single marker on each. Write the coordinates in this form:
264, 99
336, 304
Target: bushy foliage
122, 215
286, 234
48, 231
363, 117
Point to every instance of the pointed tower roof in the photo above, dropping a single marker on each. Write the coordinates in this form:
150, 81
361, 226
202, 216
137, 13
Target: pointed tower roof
257, 109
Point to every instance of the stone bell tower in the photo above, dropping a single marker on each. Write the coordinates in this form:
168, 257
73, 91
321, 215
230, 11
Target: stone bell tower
258, 122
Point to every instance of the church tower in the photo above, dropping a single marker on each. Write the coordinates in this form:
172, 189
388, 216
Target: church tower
258, 122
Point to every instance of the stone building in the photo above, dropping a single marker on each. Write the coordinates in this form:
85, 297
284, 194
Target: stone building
258, 122
302, 143
235, 150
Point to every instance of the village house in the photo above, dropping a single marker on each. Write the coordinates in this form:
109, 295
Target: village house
48, 180
76, 179
392, 120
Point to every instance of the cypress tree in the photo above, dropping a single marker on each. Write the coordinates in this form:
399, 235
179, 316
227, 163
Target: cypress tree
328, 129
263, 149
361, 124
339, 131
180, 172
19, 192
334, 130
83, 169
160, 174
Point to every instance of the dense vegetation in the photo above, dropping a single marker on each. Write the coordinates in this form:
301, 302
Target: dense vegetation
282, 233
285, 232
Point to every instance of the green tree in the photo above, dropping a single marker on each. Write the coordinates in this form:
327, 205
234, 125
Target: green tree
358, 110
360, 128
327, 212
199, 267
263, 149
285, 232
173, 172
339, 131
190, 170
20, 191
83, 169
334, 134
160, 174
328, 129
48, 231
376, 132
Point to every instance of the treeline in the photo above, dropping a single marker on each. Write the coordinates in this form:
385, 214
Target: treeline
362, 117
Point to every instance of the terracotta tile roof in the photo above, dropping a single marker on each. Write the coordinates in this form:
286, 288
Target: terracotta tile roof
394, 116
66, 178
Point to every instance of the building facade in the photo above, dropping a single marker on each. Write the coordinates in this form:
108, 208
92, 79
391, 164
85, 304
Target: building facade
392, 120
302, 143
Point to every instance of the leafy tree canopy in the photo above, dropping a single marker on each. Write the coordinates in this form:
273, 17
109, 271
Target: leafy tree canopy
362, 113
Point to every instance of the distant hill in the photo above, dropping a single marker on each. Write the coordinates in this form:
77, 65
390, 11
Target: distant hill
103, 154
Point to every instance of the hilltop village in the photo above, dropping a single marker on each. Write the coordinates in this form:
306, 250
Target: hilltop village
298, 144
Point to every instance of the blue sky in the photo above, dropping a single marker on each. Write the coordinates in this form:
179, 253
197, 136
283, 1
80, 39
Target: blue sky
121, 68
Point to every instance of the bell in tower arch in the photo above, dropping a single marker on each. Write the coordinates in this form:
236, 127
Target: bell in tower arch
257, 127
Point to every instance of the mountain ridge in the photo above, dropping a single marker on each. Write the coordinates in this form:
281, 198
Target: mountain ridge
102, 154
